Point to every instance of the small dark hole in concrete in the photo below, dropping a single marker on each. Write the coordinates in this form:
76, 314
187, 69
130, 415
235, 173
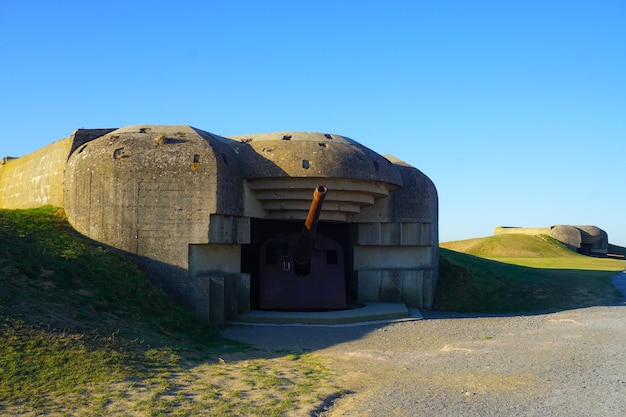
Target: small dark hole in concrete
322, 144
286, 137
118, 153
306, 164
246, 140
196, 158
328, 136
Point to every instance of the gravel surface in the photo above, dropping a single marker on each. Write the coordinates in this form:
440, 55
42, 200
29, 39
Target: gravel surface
570, 363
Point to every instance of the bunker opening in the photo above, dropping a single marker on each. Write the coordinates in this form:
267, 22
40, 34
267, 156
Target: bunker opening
299, 266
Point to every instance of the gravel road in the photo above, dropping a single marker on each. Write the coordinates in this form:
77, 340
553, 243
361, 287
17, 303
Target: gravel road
570, 363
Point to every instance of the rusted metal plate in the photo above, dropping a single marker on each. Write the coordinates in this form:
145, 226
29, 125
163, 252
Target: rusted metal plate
281, 288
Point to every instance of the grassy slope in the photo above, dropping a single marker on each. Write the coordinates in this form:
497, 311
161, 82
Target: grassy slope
518, 273
72, 313
83, 332
53, 277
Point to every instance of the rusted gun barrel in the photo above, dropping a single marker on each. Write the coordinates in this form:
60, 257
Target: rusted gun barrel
304, 246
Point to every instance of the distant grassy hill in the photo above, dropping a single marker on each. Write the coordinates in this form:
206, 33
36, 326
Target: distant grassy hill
520, 273
512, 246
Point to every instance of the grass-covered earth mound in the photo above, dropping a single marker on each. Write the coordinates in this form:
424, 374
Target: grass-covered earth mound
83, 332
520, 273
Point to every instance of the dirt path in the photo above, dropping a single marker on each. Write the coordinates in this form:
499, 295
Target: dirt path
571, 363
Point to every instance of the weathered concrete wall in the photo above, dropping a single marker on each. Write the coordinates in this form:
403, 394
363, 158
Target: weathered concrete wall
310, 155
531, 231
566, 234
398, 259
595, 240
589, 240
151, 191
35, 179
282, 169
394, 262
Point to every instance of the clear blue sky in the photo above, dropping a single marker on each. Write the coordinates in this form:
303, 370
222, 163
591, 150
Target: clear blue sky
515, 109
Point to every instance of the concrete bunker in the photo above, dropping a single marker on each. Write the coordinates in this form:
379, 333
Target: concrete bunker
208, 216
586, 240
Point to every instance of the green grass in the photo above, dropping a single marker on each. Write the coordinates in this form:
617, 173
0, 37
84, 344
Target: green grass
512, 246
519, 273
73, 314
84, 332
52, 276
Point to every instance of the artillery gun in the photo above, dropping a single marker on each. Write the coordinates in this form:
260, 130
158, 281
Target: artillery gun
302, 272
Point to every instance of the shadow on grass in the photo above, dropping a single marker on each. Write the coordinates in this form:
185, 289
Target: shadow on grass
471, 285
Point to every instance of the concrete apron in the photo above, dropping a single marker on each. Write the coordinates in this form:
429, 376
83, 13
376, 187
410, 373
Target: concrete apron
361, 314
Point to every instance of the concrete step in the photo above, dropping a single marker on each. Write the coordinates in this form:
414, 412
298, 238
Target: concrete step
360, 314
